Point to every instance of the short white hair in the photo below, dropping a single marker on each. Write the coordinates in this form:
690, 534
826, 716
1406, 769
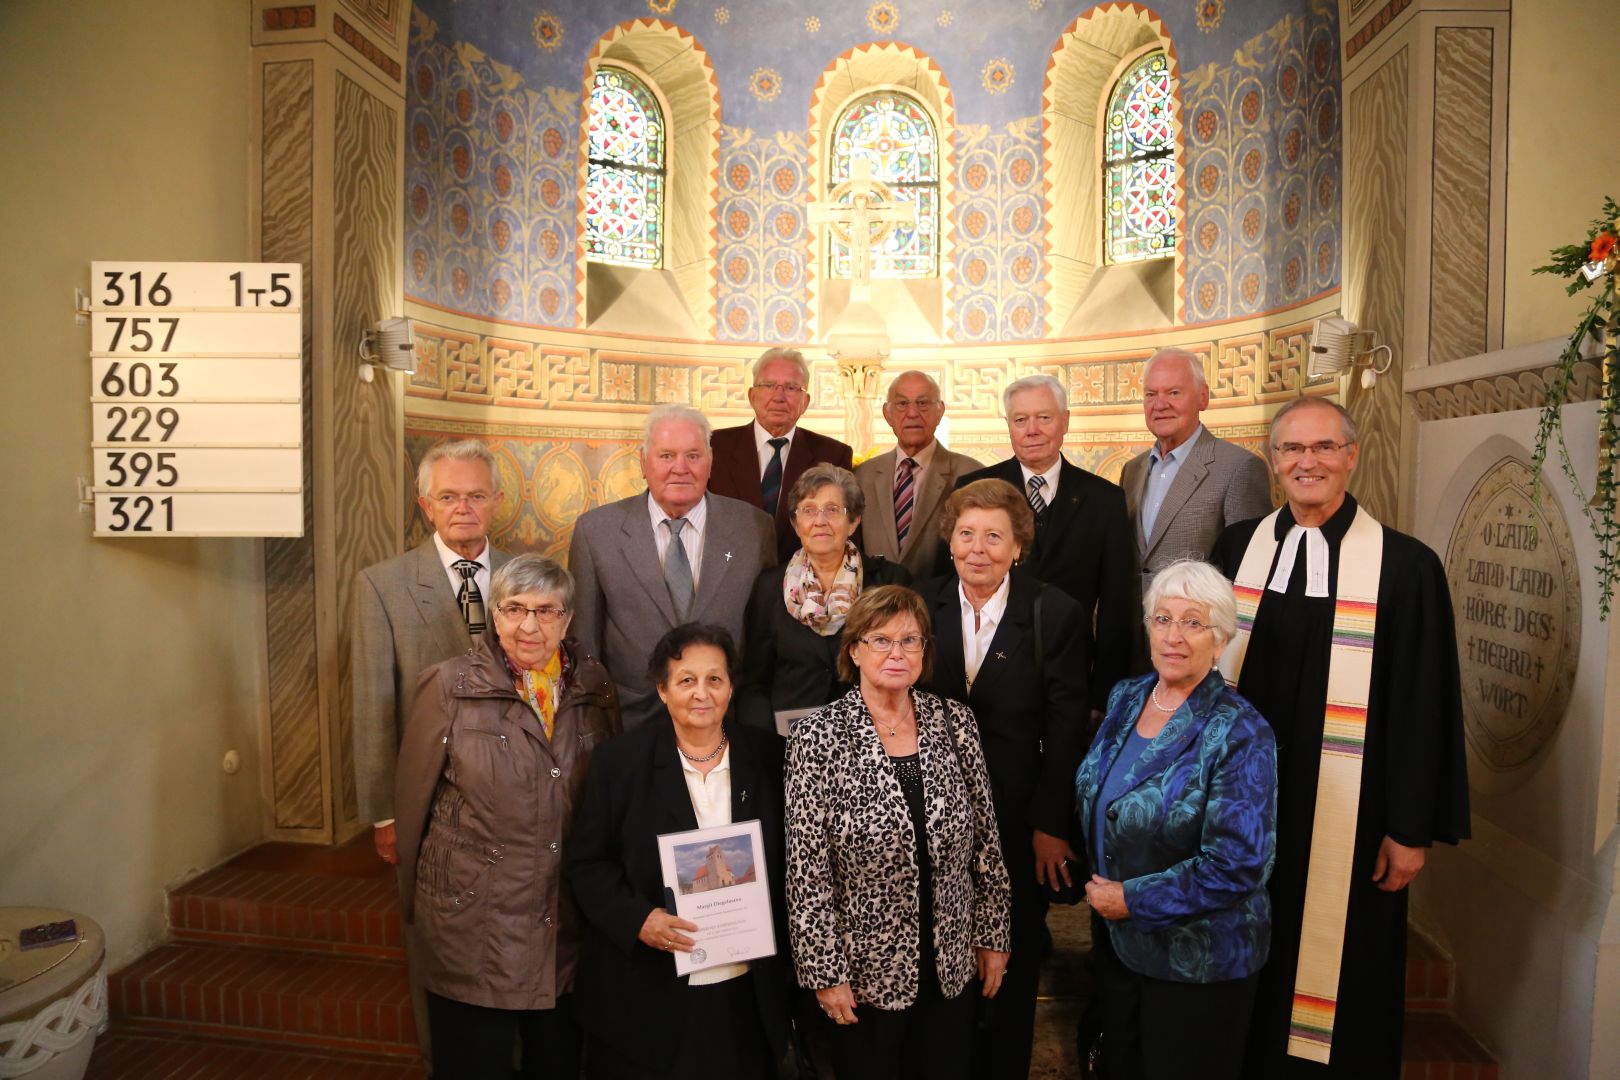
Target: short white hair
663, 414
1194, 365
463, 450
1201, 583
932, 385
1049, 383
792, 356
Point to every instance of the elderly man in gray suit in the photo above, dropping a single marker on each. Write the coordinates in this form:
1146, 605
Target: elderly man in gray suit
677, 554
1189, 485
416, 610
905, 489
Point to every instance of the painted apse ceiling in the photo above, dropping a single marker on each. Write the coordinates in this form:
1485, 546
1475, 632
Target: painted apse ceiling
493, 130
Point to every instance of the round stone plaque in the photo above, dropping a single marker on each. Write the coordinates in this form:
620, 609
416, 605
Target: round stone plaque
1515, 588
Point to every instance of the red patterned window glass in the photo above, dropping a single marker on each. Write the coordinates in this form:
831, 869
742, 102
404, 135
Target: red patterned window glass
1139, 163
624, 186
896, 135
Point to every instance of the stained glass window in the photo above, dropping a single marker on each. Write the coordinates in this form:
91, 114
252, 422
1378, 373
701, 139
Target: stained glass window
624, 186
1139, 163
896, 135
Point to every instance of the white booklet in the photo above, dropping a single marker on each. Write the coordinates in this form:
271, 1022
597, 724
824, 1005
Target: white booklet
717, 878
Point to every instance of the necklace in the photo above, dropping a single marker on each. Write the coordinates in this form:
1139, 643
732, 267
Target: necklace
894, 729
1158, 705
710, 756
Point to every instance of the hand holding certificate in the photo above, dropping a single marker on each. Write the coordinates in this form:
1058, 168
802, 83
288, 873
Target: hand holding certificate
722, 904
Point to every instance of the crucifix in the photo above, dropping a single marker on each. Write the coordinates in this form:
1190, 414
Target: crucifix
861, 212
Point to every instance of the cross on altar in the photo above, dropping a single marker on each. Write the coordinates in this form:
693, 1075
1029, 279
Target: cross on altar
869, 204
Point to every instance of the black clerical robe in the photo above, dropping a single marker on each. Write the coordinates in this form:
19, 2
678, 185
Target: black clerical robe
1414, 782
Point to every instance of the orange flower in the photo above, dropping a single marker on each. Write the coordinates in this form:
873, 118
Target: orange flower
1602, 244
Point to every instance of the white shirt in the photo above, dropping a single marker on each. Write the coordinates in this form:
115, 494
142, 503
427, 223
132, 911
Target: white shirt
762, 445
1162, 470
691, 536
1049, 492
450, 558
711, 803
976, 641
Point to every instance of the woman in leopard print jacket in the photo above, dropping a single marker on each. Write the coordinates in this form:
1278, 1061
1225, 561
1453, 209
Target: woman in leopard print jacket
897, 893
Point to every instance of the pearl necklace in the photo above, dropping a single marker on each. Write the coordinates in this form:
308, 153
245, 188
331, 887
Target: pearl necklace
1158, 705
710, 756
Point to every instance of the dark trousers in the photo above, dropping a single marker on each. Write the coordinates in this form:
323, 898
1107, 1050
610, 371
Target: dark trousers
1006, 1036
474, 1042
1154, 1029
722, 1037
932, 1039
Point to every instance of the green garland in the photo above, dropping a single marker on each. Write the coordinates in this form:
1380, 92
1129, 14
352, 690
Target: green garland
1585, 265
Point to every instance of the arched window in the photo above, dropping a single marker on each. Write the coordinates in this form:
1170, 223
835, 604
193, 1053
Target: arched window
624, 188
896, 135
1139, 163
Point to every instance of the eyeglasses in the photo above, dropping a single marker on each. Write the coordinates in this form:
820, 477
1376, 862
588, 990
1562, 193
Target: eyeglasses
520, 613
1326, 449
1162, 624
921, 404
448, 499
813, 513
789, 388
911, 643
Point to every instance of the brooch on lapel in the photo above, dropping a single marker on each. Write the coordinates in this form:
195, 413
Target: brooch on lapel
728, 556
1000, 655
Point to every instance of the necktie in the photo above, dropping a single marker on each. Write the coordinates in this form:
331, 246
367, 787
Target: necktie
471, 600
905, 497
1037, 501
770, 484
678, 569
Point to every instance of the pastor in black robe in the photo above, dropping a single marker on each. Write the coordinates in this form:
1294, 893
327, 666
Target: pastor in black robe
1414, 782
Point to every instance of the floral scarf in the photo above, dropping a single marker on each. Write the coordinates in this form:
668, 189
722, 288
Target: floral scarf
541, 689
822, 611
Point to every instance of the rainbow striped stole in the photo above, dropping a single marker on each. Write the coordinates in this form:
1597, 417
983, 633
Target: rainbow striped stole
1338, 788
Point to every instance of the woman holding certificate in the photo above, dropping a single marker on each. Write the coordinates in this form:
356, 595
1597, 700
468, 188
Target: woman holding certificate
898, 900
691, 771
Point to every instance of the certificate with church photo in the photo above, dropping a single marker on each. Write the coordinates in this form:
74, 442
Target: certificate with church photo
718, 881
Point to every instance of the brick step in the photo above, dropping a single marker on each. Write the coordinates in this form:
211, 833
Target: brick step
292, 999
122, 1055
350, 916
1436, 1047
1429, 975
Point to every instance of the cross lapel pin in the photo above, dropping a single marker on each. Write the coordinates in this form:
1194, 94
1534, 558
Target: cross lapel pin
1000, 655
728, 556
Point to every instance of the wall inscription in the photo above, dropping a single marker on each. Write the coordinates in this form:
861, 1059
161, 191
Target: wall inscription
1515, 587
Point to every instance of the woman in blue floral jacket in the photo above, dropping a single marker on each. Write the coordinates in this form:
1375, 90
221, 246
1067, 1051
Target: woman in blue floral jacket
1177, 801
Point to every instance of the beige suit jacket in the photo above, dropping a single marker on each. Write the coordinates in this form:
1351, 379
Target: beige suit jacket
1219, 485
405, 620
878, 535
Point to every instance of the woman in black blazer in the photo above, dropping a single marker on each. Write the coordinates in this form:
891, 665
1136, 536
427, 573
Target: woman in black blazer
796, 616
641, 1019
1024, 678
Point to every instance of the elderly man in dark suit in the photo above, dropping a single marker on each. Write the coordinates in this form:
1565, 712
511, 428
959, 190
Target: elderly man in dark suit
1187, 487
678, 554
1082, 535
906, 487
416, 610
760, 462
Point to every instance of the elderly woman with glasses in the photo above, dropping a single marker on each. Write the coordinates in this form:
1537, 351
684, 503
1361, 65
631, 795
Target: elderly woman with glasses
1177, 804
897, 895
796, 616
490, 766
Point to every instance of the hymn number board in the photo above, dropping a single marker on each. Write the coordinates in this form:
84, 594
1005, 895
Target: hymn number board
196, 391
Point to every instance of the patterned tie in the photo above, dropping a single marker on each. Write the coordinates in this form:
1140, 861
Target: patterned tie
1037, 501
471, 600
678, 569
905, 498
770, 485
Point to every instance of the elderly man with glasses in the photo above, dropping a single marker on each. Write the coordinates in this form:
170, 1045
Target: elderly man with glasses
1346, 645
759, 462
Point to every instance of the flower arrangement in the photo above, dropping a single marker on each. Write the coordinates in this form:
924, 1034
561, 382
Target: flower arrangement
1594, 262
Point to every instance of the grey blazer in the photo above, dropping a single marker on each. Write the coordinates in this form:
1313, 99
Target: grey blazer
1219, 485
876, 478
622, 605
405, 620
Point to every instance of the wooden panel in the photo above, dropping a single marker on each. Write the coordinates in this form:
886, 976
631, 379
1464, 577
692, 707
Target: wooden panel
1459, 267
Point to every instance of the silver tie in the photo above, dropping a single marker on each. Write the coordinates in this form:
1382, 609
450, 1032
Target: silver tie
678, 569
1037, 501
